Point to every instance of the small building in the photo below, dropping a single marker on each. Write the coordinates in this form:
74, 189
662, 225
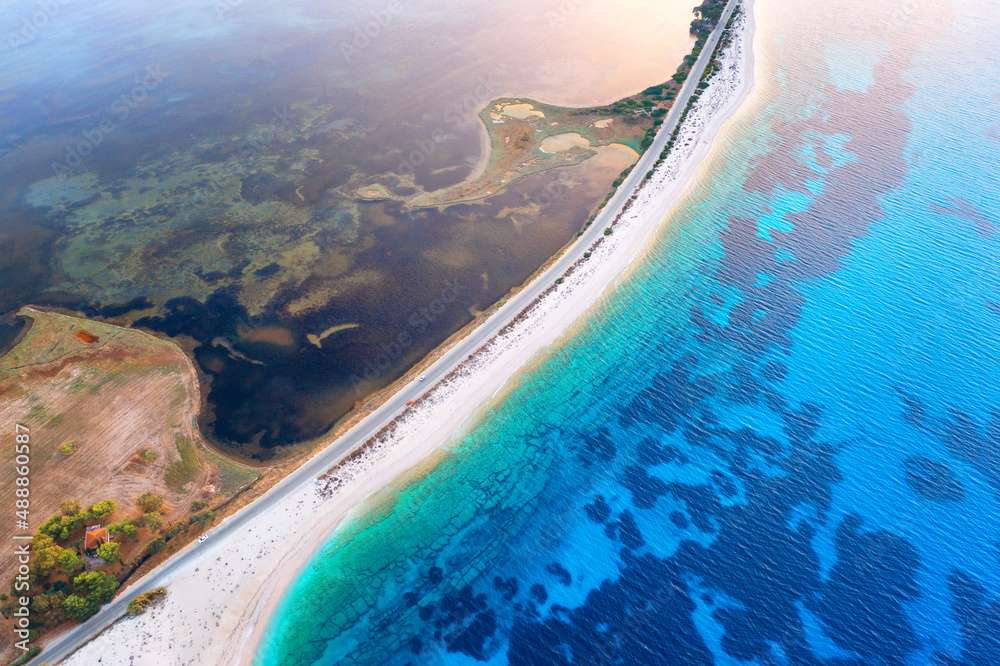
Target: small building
94, 537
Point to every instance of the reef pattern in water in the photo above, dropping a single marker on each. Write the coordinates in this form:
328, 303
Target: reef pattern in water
777, 443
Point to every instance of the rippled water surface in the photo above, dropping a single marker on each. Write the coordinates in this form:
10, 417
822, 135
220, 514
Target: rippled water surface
778, 442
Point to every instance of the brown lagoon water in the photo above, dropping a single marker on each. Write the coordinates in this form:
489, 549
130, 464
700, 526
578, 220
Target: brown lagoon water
193, 168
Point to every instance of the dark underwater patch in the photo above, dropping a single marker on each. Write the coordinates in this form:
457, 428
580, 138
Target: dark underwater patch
932, 480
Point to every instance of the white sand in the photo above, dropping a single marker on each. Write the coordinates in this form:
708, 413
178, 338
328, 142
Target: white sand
218, 606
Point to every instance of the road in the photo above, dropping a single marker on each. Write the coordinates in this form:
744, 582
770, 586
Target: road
70, 641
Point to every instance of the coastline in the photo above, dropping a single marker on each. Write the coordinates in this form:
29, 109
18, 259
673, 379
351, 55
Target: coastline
237, 584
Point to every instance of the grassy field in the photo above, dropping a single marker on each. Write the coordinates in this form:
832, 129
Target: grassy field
110, 412
110, 415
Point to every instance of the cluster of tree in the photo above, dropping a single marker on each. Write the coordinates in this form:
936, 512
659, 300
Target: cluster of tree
79, 597
125, 528
90, 590
706, 17
70, 518
48, 557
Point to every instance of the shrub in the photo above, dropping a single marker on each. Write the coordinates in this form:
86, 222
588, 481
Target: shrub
149, 455
27, 656
203, 518
149, 502
607, 232
156, 545
67, 448
198, 505
70, 507
152, 522
139, 605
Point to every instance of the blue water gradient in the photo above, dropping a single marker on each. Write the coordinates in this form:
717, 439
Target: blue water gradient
777, 443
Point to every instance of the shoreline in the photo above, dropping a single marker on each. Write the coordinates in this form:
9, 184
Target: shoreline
237, 584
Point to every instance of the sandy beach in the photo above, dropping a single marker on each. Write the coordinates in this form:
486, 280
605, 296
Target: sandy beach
219, 604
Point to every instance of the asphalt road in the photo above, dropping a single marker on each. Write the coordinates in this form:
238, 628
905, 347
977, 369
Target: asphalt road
72, 640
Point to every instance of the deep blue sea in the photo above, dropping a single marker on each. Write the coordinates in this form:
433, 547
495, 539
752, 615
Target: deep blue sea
777, 441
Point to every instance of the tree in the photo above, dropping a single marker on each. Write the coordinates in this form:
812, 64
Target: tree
46, 554
149, 502
53, 527
203, 518
79, 608
152, 522
68, 561
125, 527
48, 608
130, 531
75, 522
103, 509
70, 507
108, 552
99, 586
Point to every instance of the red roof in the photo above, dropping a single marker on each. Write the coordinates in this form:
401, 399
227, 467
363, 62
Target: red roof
95, 537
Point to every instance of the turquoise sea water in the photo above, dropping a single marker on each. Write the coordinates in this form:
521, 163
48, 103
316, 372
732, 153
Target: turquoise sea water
778, 442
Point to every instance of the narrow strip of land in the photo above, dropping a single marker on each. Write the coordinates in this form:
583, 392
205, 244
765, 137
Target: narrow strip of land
64, 645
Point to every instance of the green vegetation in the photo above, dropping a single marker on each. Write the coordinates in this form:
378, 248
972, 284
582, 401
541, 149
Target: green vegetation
103, 509
232, 476
707, 15
185, 470
125, 527
47, 609
198, 505
92, 588
149, 455
156, 545
68, 562
97, 584
139, 605
149, 502
79, 608
109, 552
32, 652
608, 232
203, 518
70, 507
67, 448
59, 527
45, 555
152, 522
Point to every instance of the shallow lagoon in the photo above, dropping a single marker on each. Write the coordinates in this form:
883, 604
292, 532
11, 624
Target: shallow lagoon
196, 167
